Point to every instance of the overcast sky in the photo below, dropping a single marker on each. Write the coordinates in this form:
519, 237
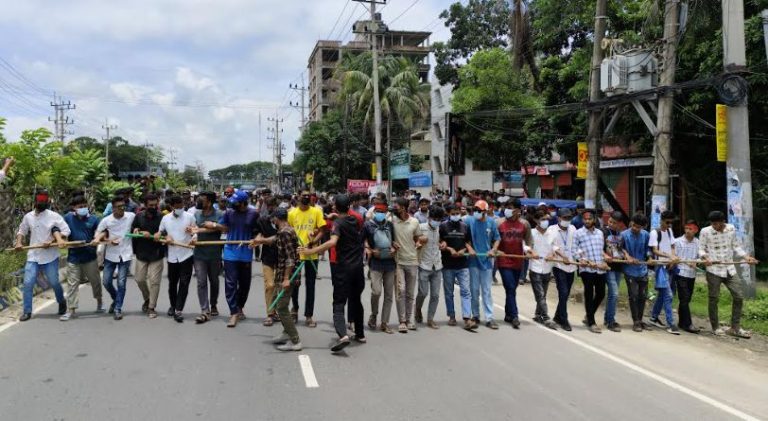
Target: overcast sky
137, 63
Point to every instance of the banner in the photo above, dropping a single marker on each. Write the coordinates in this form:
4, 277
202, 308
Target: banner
721, 119
400, 164
581, 168
454, 156
373, 170
420, 179
309, 178
360, 186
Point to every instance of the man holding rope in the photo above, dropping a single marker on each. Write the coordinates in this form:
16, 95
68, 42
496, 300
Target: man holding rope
44, 227
149, 253
81, 261
118, 253
287, 245
178, 226
207, 259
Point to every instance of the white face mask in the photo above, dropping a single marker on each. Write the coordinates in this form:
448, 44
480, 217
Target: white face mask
565, 224
508, 213
455, 218
479, 215
544, 224
178, 212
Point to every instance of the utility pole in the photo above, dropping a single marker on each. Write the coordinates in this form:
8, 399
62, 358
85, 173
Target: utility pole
738, 165
60, 119
277, 151
147, 145
107, 139
303, 91
661, 155
594, 132
764, 15
373, 38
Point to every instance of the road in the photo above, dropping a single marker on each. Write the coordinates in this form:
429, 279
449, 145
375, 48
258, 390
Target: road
96, 368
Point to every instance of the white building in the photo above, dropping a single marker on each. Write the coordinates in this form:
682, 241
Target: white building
441, 104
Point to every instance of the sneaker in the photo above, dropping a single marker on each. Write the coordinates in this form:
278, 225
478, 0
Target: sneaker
24, 317
673, 330
452, 321
595, 329
384, 328
419, 317
152, 313
289, 346
241, 315
613, 327
340, 344
474, 324
538, 319
516, 323
491, 325
111, 308
145, 307
403, 328
118, 315
692, 329
645, 326
720, 331
432, 325
637, 327
566, 326
171, 311
410, 326
372, 322
281, 339
657, 322
62, 308
233, 319
214, 311
99, 307
359, 339
66, 316
550, 324
178, 317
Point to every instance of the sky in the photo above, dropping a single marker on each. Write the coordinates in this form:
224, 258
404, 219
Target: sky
196, 76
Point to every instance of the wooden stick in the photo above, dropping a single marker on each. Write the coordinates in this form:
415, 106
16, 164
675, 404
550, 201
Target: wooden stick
221, 243
45, 246
282, 291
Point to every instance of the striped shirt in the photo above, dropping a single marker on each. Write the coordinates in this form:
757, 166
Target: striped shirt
686, 250
720, 246
589, 245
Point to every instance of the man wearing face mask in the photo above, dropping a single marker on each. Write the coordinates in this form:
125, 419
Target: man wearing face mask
266, 235
563, 233
379, 240
149, 254
408, 240
430, 267
239, 223
590, 243
613, 251
540, 269
81, 261
118, 252
43, 227
515, 234
455, 242
308, 222
207, 259
178, 227
485, 241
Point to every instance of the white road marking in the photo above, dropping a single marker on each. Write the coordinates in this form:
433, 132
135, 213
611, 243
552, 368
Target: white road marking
41, 307
306, 369
636, 368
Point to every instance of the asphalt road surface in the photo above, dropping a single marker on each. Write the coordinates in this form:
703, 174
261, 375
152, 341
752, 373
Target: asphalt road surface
141, 369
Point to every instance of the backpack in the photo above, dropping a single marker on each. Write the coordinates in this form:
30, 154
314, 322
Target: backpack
382, 240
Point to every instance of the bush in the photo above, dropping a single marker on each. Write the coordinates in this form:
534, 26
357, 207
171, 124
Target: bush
10, 262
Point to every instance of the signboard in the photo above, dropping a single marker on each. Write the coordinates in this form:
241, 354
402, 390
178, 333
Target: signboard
581, 167
400, 164
420, 179
454, 154
373, 170
508, 179
721, 121
360, 186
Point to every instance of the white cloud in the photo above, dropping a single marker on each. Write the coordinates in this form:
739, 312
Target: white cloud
129, 92
187, 79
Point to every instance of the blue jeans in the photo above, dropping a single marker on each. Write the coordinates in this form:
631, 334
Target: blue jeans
461, 277
51, 273
122, 278
510, 278
664, 299
613, 279
564, 283
480, 281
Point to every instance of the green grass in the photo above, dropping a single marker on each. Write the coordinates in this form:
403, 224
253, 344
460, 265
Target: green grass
10, 262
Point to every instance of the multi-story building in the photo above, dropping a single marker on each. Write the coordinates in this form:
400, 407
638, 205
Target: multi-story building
327, 55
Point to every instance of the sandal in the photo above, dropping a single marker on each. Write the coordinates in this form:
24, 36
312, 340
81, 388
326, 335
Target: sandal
311, 322
739, 333
202, 318
268, 322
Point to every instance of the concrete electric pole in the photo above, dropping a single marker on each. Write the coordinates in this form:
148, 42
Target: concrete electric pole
661, 155
738, 165
107, 139
277, 149
60, 119
302, 106
594, 132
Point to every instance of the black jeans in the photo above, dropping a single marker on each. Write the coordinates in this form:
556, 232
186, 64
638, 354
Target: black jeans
564, 283
684, 294
540, 284
179, 275
310, 275
638, 288
594, 292
348, 285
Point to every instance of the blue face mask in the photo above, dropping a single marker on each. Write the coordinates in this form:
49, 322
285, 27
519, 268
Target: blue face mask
455, 218
434, 224
379, 216
479, 215
82, 212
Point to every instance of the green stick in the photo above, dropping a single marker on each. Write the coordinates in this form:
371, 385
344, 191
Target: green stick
282, 291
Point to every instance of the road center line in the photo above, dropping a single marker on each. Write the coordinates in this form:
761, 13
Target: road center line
636, 368
306, 369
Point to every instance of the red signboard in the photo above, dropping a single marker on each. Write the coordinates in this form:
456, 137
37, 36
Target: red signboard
360, 186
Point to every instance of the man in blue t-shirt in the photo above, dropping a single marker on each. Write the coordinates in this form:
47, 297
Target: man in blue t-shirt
635, 244
239, 223
485, 244
81, 261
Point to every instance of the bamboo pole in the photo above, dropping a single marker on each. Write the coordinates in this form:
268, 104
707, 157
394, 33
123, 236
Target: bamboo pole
68, 244
282, 291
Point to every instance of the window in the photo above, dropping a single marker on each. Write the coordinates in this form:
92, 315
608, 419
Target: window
438, 98
438, 165
438, 131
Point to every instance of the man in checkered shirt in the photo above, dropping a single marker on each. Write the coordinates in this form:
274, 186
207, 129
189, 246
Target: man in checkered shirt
718, 243
589, 244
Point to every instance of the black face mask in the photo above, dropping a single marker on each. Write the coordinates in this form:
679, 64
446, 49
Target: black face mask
152, 211
41, 206
305, 201
199, 204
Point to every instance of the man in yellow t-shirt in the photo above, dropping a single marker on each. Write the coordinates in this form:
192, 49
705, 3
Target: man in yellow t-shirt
309, 223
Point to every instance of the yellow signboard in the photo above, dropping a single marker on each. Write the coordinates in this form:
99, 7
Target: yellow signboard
373, 171
721, 120
581, 167
309, 178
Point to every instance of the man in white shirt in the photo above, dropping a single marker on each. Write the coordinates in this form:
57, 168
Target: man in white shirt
563, 233
430, 267
118, 252
44, 227
178, 228
6, 166
540, 270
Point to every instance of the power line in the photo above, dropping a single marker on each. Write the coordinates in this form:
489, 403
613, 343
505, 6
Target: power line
346, 23
339, 18
403, 12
